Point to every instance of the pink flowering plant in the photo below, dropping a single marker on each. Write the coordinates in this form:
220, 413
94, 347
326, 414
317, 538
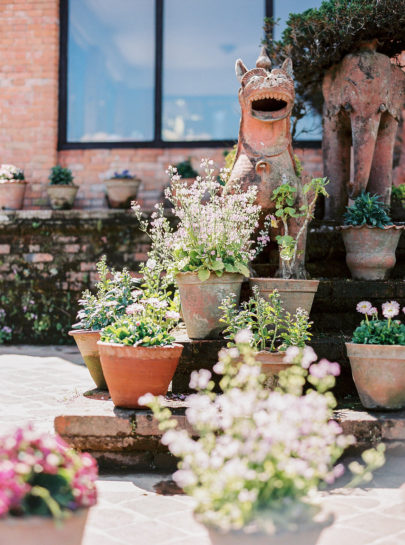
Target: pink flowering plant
254, 458
41, 475
216, 225
373, 330
11, 173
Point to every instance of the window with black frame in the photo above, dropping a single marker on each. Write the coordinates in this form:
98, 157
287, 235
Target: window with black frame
157, 72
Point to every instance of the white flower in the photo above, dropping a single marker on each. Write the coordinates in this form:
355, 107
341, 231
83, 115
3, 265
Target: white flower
363, 307
372, 311
146, 399
308, 357
390, 309
135, 308
151, 263
291, 353
244, 336
199, 379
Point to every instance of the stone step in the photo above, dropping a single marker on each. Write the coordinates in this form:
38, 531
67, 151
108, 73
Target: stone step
123, 439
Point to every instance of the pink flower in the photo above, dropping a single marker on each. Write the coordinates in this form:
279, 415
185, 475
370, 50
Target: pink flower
372, 311
390, 309
363, 307
324, 368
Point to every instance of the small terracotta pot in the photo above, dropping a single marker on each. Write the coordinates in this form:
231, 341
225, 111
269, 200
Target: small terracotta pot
370, 251
43, 530
62, 197
12, 195
87, 344
121, 191
200, 302
293, 293
272, 364
132, 371
379, 374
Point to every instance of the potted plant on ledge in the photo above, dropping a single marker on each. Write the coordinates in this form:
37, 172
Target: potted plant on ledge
295, 291
61, 189
46, 489
122, 189
12, 187
370, 238
377, 357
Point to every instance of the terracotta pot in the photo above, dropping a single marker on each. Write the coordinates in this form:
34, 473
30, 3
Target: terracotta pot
43, 530
293, 293
200, 302
379, 374
132, 371
12, 195
121, 191
87, 344
62, 197
370, 251
272, 364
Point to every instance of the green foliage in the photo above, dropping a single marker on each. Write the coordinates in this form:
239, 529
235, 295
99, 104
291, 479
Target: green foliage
47, 488
185, 169
230, 157
320, 37
367, 209
135, 331
60, 176
398, 194
376, 331
272, 328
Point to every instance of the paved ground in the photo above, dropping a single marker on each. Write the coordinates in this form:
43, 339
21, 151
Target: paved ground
37, 381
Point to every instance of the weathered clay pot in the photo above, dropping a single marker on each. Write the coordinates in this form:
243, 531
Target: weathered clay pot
87, 344
62, 197
379, 374
12, 195
132, 371
200, 302
121, 191
370, 251
43, 530
293, 293
271, 365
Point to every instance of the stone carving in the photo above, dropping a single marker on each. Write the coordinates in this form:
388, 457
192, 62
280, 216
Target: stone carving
364, 95
264, 152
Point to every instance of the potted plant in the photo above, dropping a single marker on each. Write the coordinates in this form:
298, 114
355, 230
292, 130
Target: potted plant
122, 189
12, 187
115, 292
248, 455
370, 238
398, 202
294, 290
61, 189
272, 330
377, 357
46, 489
211, 248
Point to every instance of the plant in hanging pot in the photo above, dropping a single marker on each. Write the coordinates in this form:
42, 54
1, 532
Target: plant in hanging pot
272, 329
370, 238
122, 189
294, 290
46, 489
115, 292
253, 459
12, 187
61, 189
212, 246
377, 357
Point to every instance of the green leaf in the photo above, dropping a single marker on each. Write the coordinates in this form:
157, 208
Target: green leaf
203, 274
243, 269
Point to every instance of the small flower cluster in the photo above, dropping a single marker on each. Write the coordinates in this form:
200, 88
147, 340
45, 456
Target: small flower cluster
254, 456
375, 331
5, 331
41, 475
125, 174
10, 173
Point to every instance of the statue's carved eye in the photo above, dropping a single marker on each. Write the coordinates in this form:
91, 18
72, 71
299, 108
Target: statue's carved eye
382, 108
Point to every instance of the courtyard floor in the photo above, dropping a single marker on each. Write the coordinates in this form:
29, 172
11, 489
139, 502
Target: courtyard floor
38, 381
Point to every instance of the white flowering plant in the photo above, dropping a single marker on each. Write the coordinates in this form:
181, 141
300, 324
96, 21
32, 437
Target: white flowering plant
373, 330
254, 458
271, 327
217, 224
11, 173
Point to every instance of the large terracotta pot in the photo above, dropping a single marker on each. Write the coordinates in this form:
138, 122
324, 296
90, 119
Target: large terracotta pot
379, 374
12, 195
370, 251
200, 302
87, 344
271, 365
132, 371
121, 191
43, 530
293, 293
62, 197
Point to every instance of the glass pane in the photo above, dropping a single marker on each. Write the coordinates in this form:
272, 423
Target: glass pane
309, 128
111, 55
202, 40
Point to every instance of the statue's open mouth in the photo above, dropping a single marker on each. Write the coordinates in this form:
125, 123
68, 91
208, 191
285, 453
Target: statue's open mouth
269, 107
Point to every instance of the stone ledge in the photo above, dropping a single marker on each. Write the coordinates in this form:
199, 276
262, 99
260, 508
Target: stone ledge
124, 439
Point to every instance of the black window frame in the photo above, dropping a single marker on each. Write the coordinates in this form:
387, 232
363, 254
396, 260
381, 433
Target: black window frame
157, 142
